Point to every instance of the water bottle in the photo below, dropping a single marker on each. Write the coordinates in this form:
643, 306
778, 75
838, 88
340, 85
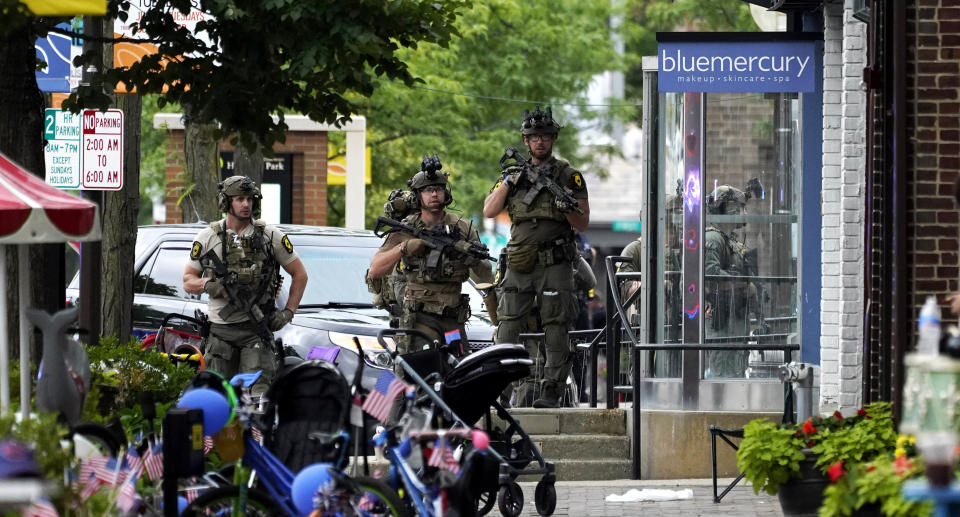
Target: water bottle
929, 328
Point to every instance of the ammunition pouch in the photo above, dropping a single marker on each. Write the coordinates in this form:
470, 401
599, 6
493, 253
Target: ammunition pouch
523, 258
557, 254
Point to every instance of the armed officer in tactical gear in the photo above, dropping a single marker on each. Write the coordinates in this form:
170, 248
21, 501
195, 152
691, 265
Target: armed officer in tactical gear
237, 261
432, 300
729, 302
540, 251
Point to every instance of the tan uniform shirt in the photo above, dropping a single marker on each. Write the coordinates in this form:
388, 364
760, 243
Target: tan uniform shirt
208, 239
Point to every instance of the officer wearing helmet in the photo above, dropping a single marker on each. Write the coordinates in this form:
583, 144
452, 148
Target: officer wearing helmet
432, 301
253, 253
728, 301
537, 280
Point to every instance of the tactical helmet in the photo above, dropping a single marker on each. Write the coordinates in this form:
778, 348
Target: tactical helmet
539, 122
726, 200
429, 175
400, 203
238, 186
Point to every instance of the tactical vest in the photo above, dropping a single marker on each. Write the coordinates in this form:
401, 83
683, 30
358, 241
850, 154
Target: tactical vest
448, 269
544, 204
251, 259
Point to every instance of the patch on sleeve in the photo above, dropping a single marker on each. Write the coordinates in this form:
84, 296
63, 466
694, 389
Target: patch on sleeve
497, 185
287, 245
195, 250
577, 181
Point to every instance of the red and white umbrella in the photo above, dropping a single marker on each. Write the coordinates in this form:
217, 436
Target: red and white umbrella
32, 212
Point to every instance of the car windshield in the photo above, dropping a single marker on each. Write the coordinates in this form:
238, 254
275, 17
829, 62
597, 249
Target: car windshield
336, 275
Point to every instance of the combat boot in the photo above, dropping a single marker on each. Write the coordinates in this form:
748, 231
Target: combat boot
549, 396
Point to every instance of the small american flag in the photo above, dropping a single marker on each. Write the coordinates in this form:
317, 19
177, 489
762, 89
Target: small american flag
191, 494
127, 497
256, 434
207, 444
41, 508
134, 462
442, 457
153, 461
380, 399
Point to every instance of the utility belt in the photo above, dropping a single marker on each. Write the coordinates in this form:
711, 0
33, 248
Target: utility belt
460, 313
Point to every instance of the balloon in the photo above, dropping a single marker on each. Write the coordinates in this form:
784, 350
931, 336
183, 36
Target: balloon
481, 440
216, 409
306, 484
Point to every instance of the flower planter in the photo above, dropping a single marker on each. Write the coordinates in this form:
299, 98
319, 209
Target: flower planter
802, 496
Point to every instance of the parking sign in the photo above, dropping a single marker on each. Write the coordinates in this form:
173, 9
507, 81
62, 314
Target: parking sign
102, 150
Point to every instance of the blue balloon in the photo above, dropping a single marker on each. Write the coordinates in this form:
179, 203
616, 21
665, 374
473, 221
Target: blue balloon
216, 409
306, 484
181, 504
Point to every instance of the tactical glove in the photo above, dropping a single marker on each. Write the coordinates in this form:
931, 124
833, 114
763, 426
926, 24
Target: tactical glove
414, 248
215, 289
563, 206
279, 319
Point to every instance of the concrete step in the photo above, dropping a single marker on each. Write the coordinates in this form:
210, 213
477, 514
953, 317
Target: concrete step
570, 421
582, 446
592, 470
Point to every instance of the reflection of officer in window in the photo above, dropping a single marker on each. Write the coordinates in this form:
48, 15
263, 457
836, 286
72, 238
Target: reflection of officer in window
728, 301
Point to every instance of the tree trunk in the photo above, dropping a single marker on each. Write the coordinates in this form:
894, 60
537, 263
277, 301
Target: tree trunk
202, 155
120, 236
249, 162
21, 139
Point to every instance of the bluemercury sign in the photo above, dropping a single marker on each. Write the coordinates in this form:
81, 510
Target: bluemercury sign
741, 66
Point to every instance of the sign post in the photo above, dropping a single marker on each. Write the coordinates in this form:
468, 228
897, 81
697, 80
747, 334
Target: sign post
61, 130
102, 150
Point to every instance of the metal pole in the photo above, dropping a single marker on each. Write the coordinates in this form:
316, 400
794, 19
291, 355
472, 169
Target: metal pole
23, 257
90, 252
4, 342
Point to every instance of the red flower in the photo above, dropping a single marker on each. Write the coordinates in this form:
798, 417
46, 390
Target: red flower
902, 465
835, 471
810, 443
871, 468
861, 412
837, 415
808, 427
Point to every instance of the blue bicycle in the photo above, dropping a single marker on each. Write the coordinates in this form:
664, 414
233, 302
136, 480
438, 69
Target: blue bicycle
331, 492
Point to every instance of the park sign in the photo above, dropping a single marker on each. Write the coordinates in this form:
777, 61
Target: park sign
84, 151
737, 62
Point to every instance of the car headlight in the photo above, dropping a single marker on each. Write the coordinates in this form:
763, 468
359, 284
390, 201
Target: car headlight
373, 353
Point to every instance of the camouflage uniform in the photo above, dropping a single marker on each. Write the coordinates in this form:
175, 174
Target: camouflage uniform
255, 257
727, 302
538, 275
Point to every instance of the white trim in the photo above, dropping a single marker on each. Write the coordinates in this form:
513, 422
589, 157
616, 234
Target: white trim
358, 123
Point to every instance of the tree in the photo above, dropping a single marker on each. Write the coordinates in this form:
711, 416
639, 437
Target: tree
467, 103
258, 60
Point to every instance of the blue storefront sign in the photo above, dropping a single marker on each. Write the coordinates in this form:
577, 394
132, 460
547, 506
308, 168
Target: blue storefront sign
737, 66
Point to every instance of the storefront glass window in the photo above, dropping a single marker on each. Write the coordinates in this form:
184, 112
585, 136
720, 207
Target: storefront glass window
749, 249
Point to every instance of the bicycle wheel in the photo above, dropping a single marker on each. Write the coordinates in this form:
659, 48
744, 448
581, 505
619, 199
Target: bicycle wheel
377, 498
220, 501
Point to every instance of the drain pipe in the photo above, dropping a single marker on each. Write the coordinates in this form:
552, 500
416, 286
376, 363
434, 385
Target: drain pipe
804, 378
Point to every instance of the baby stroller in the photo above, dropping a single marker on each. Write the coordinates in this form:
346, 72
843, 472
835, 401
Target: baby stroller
468, 390
307, 414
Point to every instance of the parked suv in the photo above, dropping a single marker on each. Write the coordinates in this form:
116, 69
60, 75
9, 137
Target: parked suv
335, 307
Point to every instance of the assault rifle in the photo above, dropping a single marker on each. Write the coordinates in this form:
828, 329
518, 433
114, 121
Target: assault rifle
540, 179
239, 295
440, 238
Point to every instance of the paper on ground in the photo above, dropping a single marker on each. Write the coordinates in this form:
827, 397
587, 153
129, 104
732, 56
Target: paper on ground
650, 494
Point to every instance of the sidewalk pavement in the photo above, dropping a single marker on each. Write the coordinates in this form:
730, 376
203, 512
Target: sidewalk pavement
587, 498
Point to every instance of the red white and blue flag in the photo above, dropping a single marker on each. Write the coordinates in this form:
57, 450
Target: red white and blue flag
41, 508
380, 400
153, 461
442, 457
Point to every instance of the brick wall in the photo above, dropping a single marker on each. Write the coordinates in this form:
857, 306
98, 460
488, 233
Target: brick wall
842, 208
933, 152
309, 150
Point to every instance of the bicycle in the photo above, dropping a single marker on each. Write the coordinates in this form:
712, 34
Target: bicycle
340, 494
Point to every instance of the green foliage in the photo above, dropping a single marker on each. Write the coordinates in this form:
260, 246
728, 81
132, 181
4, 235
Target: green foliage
314, 58
868, 436
467, 104
872, 483
769, 455
121, 376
